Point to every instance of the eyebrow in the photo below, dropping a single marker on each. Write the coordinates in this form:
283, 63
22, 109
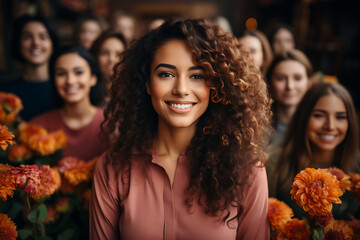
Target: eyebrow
174, 67
319, 110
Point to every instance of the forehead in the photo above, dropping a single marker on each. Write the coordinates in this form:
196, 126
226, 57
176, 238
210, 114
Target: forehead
34, 27
330, 103
174, 52
250, 41
290, 66
71, 60
283, 33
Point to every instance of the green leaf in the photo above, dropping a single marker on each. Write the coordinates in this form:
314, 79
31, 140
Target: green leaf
32, 216
25, 233
66, 235
42, 212
15, 209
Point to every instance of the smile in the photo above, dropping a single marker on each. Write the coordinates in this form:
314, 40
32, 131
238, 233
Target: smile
327, 138
181, 106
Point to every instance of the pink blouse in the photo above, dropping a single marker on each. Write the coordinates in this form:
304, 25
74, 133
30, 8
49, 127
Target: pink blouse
155, 210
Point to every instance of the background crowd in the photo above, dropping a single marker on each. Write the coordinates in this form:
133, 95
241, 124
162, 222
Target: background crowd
63, 81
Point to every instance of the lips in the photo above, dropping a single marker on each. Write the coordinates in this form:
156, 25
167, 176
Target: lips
181, 106
327, 137
72, 90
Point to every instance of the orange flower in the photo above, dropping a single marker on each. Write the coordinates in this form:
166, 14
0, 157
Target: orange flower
7, 118
66, 187
321, 221
49, 181
27, 130
19, 153
62, 204
10, 102
7, 182
7, 228
278, 213
295, 229
75, 170
29, 175
43, 144
344, 179
355, 225
338, 229
5, 137
355, 185
316, 190
60, 139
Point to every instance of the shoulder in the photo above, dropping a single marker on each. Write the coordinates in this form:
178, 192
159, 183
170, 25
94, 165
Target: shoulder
46, 117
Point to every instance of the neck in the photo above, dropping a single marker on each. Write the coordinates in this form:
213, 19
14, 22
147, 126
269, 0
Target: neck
78, 110
323, 159
172, 141
284, 113
36, 73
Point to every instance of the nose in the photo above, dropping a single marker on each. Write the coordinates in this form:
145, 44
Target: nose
113, 58
289, 83
330, 123
35, 41
70, 78
181, 86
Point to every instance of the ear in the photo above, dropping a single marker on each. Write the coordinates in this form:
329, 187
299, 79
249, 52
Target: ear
93, 80
148, 89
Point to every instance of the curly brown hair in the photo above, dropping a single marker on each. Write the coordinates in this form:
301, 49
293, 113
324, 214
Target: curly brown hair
230, 136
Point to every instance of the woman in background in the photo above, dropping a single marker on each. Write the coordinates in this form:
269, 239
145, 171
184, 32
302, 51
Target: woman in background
107, 50
88, 29
259, 48
33, 42
323, 133
74, 72
288, 79
282, 38
188, 116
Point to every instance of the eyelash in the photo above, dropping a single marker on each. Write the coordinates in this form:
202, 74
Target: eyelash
168, 75
317, 115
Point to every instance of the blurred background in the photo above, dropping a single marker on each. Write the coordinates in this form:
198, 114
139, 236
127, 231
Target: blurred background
326, 30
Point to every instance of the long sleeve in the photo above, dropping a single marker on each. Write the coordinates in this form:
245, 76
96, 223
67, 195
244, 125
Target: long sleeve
105, 203
253, 223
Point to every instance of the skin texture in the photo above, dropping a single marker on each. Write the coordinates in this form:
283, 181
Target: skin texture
328, 124
109, 55
125, 25
283, 40
89, 31
35, 44
289, 83
73, 78
254, 46
182, 82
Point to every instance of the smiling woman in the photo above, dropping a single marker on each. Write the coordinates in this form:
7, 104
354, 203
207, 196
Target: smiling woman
323, 133
188, 116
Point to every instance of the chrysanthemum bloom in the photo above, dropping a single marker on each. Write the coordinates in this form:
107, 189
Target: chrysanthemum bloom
279, 213
294, 229
19, 153
52, 215
5, 137
7, 118
49, 182
27, 130
10, 102
43, 144
355, 185
316, 190
321, 221
62, 204
29, 173
344, 179
7, 182
60, 139
338, 229
75, 170
7, 228
66, 187
355, 225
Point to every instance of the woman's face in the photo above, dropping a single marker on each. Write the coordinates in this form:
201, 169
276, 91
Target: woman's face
35, 43
328, 123
73, 78
89, 31
283, 40
179, 93
109, 55
126, 26
289, 82
253, 44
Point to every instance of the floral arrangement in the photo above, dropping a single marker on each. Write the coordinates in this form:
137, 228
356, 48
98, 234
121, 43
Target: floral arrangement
42, 194
315, 191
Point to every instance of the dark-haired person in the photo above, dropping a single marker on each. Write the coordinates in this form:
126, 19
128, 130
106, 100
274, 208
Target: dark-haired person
282, 38
87, 30
259, 48
107, 50
34, 40
74, 72
288, 79
323, 133
189, 118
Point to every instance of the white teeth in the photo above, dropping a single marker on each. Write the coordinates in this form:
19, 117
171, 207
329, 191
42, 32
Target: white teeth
72, 90
36, 52
328, 137
181, 106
